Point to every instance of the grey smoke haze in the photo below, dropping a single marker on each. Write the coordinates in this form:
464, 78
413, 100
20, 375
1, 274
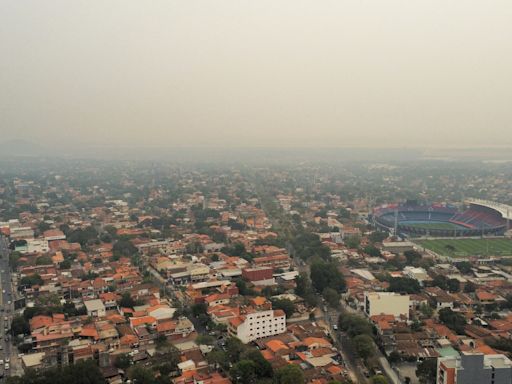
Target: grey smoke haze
257, 73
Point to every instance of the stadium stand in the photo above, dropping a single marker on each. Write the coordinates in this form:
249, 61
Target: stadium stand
474, 221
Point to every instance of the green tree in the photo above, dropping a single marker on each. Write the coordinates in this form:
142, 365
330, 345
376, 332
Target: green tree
217, 358
469, 287
453, 320
379, 379
122, 361
234, 348
19, 326
394, 357
326, 275
31, 280
354, 324
289, 374
81, 372
464, 267
243, 289
426, 371
161, 342
243, 372
364, 346
194, 247
263, 367
303, 285
204, 339
404, 284
441, 282
199, 309
353, 242
236, 249
331, 297
286, 305
377, 237
124, 247
44, 260
453, 285
141, 375
126, 301
14, 259
372, 251
43, 226
412, 257
82, 236
426, 310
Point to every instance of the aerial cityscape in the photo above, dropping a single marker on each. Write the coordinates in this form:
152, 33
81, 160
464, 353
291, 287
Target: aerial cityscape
138, 271
255, 192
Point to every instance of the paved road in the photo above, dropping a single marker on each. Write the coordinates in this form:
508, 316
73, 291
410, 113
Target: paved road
284, 225
331, 318
8, 353
390, 373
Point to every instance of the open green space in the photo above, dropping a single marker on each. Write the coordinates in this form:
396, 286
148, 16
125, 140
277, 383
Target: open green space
438, 225
469, 247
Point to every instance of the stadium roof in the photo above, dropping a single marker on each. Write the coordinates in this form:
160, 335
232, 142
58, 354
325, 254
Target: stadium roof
504, 209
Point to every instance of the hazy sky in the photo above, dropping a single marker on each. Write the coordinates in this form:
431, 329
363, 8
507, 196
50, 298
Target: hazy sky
257, 73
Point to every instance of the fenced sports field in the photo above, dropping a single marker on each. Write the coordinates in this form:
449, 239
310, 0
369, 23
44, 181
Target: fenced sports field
468, 247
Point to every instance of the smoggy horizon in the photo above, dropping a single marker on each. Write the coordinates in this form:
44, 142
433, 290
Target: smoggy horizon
228, 74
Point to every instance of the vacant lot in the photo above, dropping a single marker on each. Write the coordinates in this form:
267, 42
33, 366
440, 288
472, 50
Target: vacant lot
469, 247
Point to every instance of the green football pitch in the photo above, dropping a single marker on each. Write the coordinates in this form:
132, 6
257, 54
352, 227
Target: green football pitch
469, 247
434, 225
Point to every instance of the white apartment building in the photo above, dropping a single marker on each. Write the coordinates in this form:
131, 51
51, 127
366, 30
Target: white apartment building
386, 303
256, 325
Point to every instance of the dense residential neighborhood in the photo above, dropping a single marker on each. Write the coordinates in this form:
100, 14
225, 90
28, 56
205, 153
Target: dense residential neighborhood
213, 275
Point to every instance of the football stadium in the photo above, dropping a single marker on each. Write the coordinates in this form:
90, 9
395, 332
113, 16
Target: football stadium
410, 219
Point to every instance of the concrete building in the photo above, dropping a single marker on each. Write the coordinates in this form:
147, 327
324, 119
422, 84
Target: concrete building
257, 274
257, 325
398, 246
22, 233
386, 303
95, 308
474, 368
281, 261
417, 273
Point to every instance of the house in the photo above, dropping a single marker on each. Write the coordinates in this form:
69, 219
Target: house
161, 311
95, 308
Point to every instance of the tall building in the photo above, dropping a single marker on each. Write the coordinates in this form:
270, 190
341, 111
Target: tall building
256, 325
474, 368
386, 303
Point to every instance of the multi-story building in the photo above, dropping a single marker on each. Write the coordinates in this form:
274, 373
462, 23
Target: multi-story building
21, 233
282, 261
256, 325
474, 368
386, 303
257, 274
